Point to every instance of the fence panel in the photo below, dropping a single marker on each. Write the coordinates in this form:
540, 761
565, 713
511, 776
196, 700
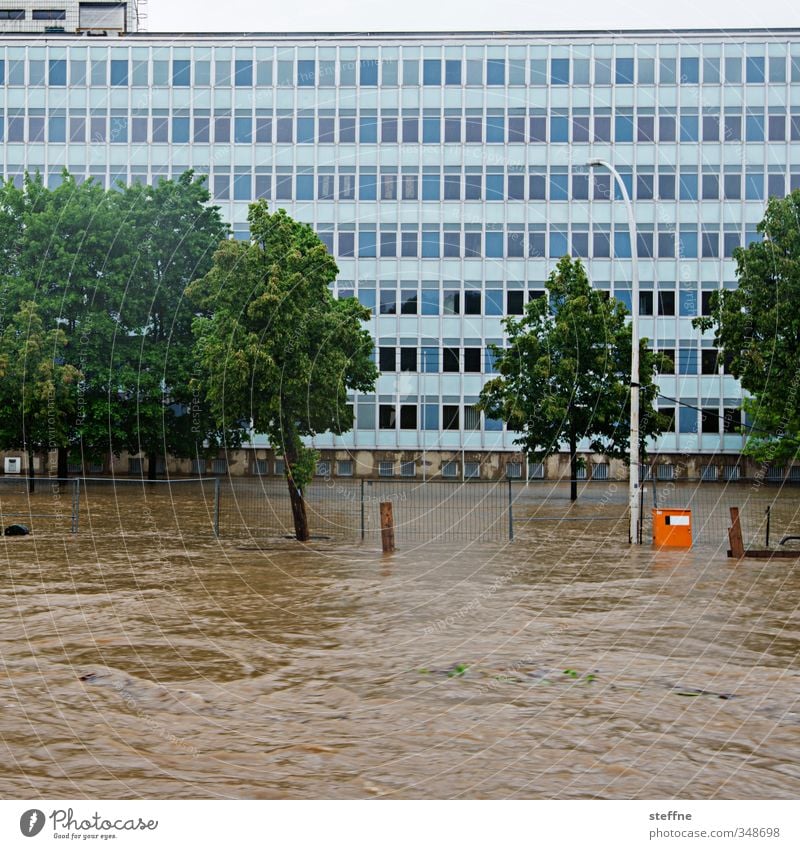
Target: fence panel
52, 507
759, 503
180, 507
349, 509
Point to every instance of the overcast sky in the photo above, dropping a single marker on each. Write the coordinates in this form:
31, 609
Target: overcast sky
369, 15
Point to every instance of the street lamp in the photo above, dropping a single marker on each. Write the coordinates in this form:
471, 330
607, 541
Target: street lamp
633, 485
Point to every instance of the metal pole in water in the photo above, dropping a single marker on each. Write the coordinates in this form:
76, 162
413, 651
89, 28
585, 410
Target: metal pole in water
362, 508
510, 512
216, 507
76, 504
766, 543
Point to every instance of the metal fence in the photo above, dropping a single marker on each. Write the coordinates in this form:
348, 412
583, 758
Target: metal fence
435, 511
432, 511
135, 505
768, 511
41, 504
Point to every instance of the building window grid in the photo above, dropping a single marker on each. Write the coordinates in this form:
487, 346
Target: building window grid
754, 80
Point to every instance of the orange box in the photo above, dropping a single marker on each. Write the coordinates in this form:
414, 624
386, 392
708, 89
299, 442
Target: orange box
672, 527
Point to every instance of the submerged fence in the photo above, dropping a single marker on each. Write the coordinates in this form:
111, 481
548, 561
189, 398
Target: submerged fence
39, 503
435, 511
424, 511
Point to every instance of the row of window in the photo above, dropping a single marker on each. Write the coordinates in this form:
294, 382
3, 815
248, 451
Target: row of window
432, 243
474, 360
36, 15
446, 417
390, 73
449, 301
225, 128
559, 185
451, 468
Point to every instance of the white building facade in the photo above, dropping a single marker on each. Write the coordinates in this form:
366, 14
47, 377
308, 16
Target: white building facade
447, 174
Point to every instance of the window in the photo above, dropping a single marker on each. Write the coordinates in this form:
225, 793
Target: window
429, 360
451, 417
387, 418
690, 69
452, 72
515, 303
754, 69
709, 420
666, 128
368, 72
559, 71
408, 416
388, 305
624, 71
306, 72
666, 303
709, 361
472, 470
732, 422
710, 186
58, 72
431, 72
645, 128
49, 15
408, 302
408, 359
472, 360
12, 14
450, 469
385, 469
408, 468
710, 127
496, 72
451, 361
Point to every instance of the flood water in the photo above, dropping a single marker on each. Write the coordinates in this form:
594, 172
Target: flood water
145, 660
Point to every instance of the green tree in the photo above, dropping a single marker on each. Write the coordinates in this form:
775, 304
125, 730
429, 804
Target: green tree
176, 232
757, 328
37, 401
565, 373
73, 258
279, 351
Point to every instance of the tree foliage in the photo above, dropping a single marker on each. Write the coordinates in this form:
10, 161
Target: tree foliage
279, 351
757, 327
107, 270
565, 373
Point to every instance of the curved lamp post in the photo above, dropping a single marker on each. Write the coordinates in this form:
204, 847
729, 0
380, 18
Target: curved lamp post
633, 481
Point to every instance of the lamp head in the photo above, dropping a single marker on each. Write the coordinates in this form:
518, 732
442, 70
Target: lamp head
595, 163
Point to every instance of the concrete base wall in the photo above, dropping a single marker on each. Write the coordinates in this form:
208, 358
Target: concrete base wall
483, 465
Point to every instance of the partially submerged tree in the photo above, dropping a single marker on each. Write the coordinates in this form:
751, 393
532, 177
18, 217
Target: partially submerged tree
757, 327
279, 351
37, 404
176, 232
565, 373
108, 269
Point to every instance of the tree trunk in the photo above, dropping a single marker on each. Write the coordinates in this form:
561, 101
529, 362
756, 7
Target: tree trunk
573, 467
31, 472
298, 512
152, 462
62, 472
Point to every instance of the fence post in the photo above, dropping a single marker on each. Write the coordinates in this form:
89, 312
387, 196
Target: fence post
362, 508
387, 527
510, 512
216, 507
76, 504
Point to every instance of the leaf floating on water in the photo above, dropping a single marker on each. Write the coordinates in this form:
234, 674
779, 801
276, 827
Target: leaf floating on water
457, 671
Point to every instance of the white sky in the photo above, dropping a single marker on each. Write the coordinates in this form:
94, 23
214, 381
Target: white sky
380, 15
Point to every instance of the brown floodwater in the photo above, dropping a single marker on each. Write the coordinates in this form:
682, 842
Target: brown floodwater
143, 658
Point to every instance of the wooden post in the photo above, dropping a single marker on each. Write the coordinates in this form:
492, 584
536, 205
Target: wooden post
735, 535
387, 527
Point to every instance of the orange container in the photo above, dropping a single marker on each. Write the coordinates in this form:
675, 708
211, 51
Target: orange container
672, 527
